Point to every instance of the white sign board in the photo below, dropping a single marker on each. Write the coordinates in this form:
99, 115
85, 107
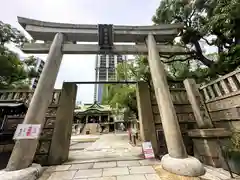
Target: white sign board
27, 131
148, 150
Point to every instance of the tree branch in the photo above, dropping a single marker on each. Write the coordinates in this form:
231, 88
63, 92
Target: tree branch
209, 43
174, 71
167, 57
182, 60
190, 17
200, 56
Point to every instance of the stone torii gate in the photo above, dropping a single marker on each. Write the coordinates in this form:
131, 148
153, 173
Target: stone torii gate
62, 39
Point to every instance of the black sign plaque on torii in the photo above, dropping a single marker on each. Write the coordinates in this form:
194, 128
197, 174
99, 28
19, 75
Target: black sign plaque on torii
105, 37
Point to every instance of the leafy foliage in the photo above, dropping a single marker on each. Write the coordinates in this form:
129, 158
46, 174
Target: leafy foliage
13, 72
124, 95
214, 23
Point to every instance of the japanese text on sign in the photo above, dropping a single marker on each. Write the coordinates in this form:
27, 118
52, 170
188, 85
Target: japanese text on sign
27, 131
148, 150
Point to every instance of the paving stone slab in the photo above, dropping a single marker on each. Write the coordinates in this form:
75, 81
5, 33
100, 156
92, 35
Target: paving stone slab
115, 171
131, 177
216, 172
127, 163
88, 173
209, 176
221, 171
141, 169
58, 168
147, 162
102, 178
105, 164
81, 166
63, 175
152, 177
45, 176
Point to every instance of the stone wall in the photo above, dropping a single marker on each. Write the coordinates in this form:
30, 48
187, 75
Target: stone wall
42, 152
6, 145
222, 98
185, 117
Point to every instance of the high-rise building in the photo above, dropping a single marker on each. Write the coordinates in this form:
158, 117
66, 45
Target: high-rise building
38, 68
105, 71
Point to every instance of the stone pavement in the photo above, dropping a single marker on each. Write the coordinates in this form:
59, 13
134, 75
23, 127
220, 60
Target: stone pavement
108, 147
114, 170
123, 170
111, 157
80, 142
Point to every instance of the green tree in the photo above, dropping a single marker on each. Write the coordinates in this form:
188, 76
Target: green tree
13, 72
124, 95
213, 22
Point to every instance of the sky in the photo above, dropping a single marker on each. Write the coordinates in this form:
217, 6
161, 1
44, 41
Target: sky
79, 67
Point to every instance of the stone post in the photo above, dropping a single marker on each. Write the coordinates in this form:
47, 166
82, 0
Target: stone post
145, 113
177, 161
199, 108
207, 139
63, 125
24, 150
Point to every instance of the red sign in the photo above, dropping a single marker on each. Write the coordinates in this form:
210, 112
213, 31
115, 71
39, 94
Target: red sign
148, 150
27, 131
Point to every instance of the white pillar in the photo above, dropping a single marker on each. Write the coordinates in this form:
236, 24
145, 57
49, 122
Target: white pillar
24, 150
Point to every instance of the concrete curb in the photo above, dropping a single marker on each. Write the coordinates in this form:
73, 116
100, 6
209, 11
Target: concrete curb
30, 173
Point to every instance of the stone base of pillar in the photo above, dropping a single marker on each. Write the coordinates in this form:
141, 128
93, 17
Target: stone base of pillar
189, 166
206, 145
32, 172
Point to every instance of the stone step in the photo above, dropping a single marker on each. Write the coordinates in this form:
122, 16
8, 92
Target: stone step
76, 161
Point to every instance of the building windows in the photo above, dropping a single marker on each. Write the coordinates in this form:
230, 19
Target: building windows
39, 68
105, 73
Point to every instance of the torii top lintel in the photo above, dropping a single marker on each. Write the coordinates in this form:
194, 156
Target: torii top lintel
40, 30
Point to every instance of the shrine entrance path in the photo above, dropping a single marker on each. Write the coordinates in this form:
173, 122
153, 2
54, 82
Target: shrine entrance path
107, 147
111, 157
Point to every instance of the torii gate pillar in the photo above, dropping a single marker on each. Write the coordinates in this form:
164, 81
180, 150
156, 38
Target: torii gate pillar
24, 150
177, 161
